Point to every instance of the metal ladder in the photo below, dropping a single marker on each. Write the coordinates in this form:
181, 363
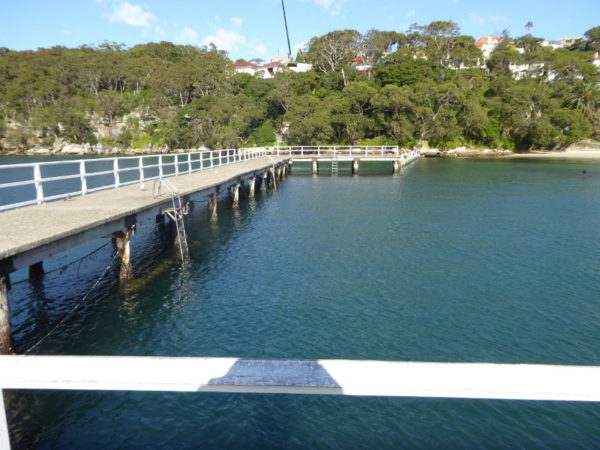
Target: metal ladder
176, 213
334, 166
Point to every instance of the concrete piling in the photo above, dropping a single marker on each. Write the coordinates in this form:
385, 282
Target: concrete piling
251, 187
264, 181
234, 190
36, 272
6, 346
272, 178
397, 166
355, 166
212, 203
315, 166
121, 240
212, 206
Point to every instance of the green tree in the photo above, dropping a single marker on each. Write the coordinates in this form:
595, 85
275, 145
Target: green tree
333, 50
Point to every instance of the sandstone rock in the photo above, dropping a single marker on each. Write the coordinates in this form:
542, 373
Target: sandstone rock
73, 149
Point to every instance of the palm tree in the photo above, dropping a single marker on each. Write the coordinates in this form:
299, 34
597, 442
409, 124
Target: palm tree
586, 98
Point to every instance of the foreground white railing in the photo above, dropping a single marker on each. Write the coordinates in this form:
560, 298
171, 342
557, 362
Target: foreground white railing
38, 181
91, 175
333, 377
318, 376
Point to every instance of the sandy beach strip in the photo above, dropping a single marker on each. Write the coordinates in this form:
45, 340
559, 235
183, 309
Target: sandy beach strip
583, 154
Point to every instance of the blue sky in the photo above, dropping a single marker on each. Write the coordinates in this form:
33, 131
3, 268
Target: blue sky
248, 29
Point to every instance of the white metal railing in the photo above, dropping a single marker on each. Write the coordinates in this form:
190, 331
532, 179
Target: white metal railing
316, 376
97, 174
340, 150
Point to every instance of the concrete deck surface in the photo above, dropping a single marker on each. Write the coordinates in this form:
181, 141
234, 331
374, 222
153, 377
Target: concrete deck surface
26, 228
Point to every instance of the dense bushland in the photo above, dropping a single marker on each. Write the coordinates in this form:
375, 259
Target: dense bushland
428, 84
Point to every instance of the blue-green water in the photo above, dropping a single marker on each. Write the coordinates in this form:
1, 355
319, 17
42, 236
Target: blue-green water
453, 260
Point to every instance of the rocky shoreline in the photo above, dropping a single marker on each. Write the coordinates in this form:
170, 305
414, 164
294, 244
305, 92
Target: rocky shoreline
61, 148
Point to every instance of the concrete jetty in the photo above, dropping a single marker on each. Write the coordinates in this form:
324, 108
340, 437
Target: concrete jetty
34, 233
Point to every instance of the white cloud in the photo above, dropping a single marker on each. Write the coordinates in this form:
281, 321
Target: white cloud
187, 36
477, 18
237, 21
411, 13
226, 39
299, 46
480, 20
497, 19
331, 7
155, 32
130, 14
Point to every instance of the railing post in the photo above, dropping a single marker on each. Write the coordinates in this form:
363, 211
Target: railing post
39, 187
189, 158
116, 176
201, 160
176, 161
141, 170
4, 436
160, 167
83, 177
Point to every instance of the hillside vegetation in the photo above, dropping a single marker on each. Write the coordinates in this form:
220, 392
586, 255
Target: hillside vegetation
428, 84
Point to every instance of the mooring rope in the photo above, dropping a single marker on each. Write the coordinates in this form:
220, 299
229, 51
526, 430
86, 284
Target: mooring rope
80, 260
76, 307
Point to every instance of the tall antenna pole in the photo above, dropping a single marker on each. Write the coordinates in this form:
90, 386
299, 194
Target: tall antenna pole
287, 33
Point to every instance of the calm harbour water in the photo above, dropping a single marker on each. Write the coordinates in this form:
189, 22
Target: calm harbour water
453, 260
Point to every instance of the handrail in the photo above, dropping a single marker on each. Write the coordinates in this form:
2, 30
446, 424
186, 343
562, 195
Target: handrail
118, 172
312, 376
127, 170
286, 376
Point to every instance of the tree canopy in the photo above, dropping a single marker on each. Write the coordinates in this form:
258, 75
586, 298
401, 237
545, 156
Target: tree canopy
428, 83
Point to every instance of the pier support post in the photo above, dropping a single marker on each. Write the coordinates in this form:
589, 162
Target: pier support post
4, 436
121, 240
251, 187
234, 189
355, 166
397, 165
315, 166
6, 346
212, 206
264, 180
212, 203
36, 272
272, 178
